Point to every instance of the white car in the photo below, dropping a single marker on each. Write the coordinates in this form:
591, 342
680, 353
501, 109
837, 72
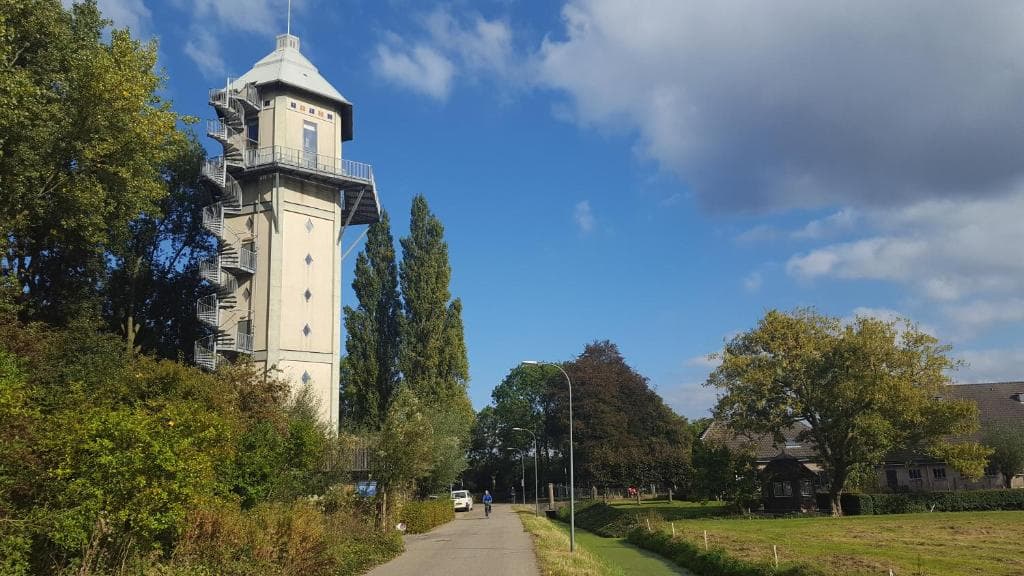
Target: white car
463, 500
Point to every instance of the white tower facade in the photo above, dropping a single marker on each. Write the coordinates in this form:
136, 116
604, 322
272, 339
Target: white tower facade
283, 197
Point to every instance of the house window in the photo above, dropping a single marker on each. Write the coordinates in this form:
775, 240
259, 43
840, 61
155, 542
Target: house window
991, 470
915, 473
266, 103
782, 489
806, 487
939, 473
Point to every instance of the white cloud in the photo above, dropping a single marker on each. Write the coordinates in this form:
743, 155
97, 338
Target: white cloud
204, 49
995, 365
753, 281
770, 106
420, 68
692, 399
261, 16
973, 317
584, 216
450, 47
838, 223
757, 235
133, 14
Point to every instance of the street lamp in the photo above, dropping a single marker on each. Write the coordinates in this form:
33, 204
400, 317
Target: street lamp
572, 482
522, 479
536, 486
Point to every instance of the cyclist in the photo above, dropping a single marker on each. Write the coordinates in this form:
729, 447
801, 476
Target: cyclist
487, 503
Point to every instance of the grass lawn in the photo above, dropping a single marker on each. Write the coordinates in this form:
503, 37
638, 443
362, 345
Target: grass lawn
936, 544
677, 509
626, 557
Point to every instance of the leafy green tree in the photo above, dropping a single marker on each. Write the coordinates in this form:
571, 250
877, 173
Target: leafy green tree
432, 350
404, 450
372, 345
83, 136
1007, 443
865, 388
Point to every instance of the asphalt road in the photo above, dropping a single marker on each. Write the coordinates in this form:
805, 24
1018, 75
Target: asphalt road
470, 545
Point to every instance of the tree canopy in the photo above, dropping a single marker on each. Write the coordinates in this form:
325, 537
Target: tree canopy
1007, 443
83, 139
865, 388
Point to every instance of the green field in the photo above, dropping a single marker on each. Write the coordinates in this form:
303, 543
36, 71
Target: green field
936, 544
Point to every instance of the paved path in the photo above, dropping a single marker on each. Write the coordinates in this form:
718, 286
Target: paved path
470, 545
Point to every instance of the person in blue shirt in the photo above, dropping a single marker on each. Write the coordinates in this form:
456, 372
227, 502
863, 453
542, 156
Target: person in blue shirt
487, 503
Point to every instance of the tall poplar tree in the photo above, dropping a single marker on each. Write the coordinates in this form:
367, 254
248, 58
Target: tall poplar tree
372, 344
432, 351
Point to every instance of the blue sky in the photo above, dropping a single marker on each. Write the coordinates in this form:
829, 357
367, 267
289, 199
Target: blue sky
659, 174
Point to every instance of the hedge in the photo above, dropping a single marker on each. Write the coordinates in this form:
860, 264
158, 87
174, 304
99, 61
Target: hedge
423, 515
712, 562
904, 503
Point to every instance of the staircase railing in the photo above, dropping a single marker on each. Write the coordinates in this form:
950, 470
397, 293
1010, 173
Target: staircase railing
208, 311
205, 352
213, 218
211, 270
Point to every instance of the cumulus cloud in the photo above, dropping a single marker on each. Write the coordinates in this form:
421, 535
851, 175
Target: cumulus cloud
994, 365
583, 216
770, 106
450, 45
204, 50
420, 68
133, 14
838, 223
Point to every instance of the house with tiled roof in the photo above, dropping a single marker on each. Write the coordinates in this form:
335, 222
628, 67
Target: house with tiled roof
998, 403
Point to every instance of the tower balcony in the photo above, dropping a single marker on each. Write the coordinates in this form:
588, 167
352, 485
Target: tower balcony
243, 342
242, 260
354, 179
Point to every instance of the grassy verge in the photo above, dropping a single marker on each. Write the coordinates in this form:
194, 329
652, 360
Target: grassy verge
936, 544
617, 519
552, 545
624, 556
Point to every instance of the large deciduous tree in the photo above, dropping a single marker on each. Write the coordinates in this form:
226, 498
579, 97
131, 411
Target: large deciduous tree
432, 350
372, 345
865, 388
83, 137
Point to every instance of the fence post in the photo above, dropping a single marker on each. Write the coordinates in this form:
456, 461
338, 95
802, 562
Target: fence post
551, 496
705, 540
776, 552
673, 529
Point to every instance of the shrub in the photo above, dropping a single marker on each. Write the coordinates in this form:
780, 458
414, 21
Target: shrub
962, 501
423, 515
712, 562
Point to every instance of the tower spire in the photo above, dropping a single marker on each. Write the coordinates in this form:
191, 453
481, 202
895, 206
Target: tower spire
289, 27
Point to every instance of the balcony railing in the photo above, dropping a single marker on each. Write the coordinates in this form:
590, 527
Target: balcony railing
247, 260
244, 342
319, 163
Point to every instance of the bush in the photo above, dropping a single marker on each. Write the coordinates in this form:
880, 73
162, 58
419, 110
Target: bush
423, 515
963, 501
711, 562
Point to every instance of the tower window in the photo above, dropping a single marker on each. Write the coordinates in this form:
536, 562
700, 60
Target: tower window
309, 138
266, 103
252, 132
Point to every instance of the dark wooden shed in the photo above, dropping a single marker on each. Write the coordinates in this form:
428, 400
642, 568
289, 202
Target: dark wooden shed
787, 486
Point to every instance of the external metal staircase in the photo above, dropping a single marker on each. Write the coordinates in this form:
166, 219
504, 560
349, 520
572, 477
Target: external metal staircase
220, 310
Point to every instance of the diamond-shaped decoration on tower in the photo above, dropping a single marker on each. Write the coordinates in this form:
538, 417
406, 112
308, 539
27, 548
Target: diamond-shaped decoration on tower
309, 259
309, 224
307, 294
247, 294
306, 330
306, 377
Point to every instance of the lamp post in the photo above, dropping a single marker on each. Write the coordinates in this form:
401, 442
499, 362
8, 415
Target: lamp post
522, 478
536, 486
572, 482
